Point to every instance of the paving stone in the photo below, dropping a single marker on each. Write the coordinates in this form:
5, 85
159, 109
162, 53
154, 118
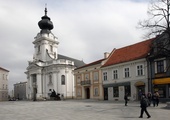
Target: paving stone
77, 110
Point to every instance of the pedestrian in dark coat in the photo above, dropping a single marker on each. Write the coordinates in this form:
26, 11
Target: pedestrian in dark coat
154, 99
144, 105
126, 99
157, 98
149, 96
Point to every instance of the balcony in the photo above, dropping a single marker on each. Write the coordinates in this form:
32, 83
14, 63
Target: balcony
86, 83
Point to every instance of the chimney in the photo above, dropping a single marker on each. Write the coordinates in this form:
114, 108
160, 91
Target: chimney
106, 55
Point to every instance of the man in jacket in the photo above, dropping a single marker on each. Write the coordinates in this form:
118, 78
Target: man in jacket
144, 105
126, 99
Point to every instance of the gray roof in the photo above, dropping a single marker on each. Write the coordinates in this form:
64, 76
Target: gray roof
77, 63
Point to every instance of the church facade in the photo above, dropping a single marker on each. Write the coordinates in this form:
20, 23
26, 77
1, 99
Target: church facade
49, 71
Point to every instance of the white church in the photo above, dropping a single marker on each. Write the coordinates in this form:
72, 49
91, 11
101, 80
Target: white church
49, 70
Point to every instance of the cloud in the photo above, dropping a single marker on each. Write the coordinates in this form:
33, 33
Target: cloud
85, 29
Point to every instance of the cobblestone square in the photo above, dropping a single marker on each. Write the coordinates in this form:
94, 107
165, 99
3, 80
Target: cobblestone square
77, 110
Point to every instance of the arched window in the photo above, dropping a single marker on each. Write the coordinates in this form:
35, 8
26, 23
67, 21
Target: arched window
63, 80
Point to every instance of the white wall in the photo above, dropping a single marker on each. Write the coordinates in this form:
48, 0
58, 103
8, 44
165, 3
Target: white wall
132, 79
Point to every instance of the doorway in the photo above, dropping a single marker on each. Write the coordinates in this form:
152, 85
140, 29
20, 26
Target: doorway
105, 93
87, 93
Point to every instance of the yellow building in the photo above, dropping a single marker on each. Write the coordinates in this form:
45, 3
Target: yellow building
88, 80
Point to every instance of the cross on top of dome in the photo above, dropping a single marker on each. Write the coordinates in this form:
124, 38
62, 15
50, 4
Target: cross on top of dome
45, 23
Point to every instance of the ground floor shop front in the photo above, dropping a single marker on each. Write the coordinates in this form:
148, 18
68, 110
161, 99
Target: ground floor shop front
90, 92
162, 85
116, 91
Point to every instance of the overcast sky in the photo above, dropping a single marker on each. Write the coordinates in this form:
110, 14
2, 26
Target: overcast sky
85, 29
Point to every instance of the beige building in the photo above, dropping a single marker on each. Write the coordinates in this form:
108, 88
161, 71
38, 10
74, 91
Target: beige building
88, 80
3, 84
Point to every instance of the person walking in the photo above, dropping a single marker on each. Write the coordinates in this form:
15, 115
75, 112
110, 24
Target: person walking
149, 96
157, 98
126, 99
144, 105
154, 99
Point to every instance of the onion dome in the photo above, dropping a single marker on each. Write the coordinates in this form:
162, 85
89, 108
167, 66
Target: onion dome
45, 24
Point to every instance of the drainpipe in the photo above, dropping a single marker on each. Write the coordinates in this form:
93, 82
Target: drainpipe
148, 64
150, 86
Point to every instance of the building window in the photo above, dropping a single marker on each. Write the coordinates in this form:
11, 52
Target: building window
160, 46
96, 91
34, 78
104, 76
87, 77
160, 66
116, 91
78, 79
63, 80
127, 72
96, 76
127, 90
3, 77
54, 54
78, 92
115, 74
51, 48
161, 90
140, 70
50, 79
39, 49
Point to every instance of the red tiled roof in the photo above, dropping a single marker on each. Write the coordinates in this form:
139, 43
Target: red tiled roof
4, 69
90, 64
129, 53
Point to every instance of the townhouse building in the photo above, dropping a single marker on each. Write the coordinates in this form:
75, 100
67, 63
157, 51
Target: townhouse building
125, 71
3, 84
20, 91
159, 66
88, 80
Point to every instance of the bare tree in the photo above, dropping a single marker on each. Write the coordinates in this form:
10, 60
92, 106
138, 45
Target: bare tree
159, 16
158, 26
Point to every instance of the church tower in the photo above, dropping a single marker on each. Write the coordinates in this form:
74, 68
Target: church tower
45, 43
49, 71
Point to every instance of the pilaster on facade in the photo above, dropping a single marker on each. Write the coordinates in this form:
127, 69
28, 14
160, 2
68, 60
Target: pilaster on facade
39, 86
